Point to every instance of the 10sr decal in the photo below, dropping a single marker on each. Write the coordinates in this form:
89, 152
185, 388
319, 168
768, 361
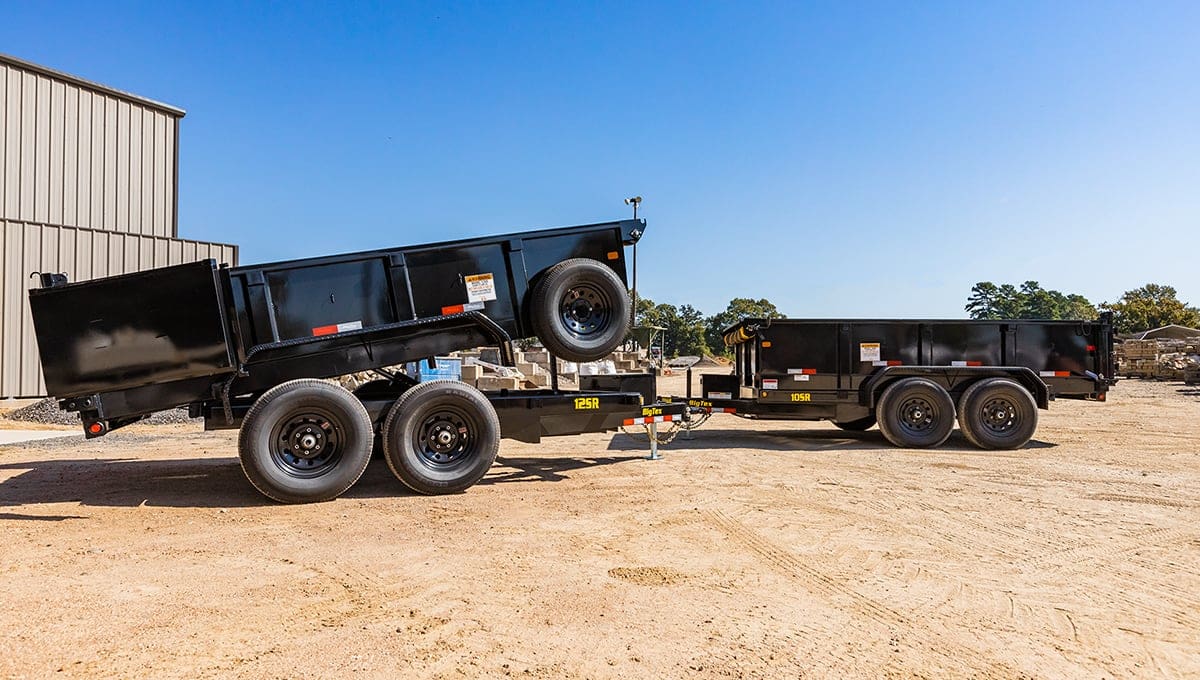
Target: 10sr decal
801, 396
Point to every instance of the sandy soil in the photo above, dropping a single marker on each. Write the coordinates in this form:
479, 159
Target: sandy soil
755, 549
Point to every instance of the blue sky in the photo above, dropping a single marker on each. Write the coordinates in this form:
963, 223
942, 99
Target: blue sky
840, 159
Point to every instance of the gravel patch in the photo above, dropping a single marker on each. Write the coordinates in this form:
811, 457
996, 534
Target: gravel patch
47, 412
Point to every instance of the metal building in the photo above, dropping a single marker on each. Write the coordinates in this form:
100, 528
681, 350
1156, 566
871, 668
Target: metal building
89, 179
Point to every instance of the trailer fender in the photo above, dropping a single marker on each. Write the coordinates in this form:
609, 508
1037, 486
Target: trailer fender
954, 379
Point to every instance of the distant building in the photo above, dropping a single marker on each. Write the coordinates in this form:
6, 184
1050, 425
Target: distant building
89, 179
1171, 332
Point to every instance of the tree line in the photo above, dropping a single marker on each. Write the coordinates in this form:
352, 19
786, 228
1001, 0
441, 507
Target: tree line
1140, 309
688, 332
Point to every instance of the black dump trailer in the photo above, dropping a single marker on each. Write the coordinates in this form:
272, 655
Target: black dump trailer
248, 347
913, 378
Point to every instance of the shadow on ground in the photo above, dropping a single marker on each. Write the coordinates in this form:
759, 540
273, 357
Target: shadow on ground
545, 469
176, 483
791, 440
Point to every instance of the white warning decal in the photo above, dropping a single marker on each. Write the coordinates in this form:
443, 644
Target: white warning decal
770, 384
480, 287
868, 351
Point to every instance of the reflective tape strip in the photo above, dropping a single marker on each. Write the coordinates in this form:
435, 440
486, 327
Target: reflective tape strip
459, 309
1055, 374
966, 363
648, 419
887, 363
333, 329
722, 410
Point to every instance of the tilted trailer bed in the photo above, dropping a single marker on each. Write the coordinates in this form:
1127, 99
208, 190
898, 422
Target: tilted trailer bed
913, 378
249, 347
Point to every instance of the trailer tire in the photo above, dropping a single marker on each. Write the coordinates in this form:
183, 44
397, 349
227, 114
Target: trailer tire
305, 441
580, 310
997, 413
858, 425
441, 437
915, 413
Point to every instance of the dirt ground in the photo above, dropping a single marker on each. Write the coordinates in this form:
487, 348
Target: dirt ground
755, 549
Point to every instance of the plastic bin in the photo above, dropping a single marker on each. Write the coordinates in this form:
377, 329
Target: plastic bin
444, 368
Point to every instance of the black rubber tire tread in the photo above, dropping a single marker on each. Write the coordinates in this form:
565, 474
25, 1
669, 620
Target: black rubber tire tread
859, 425
544, 310
255, 456
970, 408
405, 415
887, 411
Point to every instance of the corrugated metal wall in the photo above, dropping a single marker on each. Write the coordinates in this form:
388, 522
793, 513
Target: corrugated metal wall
85, 157
82, 254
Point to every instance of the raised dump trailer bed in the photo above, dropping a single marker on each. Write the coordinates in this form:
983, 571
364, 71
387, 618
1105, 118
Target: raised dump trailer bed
247, 346
913, 378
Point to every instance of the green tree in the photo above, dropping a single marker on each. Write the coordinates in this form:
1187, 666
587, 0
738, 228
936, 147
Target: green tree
690, 334
1030, 301
684, 326
984, 301
738, 309
1151, 306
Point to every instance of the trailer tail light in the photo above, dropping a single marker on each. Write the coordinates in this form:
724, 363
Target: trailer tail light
1103, 396
95, 429
1091, 348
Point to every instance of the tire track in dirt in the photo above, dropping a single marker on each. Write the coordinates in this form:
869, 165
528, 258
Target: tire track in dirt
845, 597
951, 529
1079, 558
1147, 500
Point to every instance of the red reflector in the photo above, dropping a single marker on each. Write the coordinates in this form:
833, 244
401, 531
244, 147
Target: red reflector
452, 309
1103, 396
1091, 348
95, 428
325, 330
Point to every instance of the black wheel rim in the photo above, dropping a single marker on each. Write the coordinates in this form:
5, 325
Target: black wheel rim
1000, 416
918, 415
447, 437
585, 310
307, 444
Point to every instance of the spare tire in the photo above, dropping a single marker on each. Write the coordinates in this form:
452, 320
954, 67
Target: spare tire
580, 310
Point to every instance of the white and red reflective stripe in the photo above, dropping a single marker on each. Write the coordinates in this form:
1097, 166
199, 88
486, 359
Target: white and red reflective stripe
333, 329
802, 371
966, 363
459, 309
649, 419
892, 362
722, 410
1055, 374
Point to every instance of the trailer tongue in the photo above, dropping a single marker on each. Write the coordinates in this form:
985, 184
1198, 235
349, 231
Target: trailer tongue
247, 346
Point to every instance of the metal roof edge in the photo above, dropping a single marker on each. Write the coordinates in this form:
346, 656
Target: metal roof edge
91, 85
